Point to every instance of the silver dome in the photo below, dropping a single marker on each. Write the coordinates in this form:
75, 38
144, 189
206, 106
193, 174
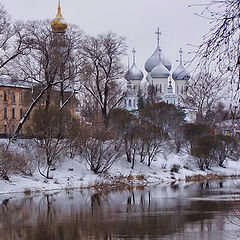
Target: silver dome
160, 71
133, 73
154, 60
181, 73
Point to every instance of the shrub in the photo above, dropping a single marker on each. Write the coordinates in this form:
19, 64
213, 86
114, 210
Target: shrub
205, 151
175, 168
192, 132
101, 150
11, 162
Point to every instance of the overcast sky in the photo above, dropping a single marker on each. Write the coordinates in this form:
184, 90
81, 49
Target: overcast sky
137, 20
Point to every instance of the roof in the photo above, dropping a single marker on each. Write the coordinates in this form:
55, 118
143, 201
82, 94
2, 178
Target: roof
8, 82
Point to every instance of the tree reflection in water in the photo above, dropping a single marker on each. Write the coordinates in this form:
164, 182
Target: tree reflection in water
147, 214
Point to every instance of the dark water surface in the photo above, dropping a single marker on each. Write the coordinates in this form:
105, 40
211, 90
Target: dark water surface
183, 212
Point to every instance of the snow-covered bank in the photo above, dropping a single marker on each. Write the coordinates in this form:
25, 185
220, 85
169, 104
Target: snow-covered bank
74, 173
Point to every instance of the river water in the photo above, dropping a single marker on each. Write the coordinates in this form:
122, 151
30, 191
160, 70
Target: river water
193, 211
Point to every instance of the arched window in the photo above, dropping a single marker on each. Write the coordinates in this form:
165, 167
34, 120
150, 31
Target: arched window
129, 102
177, 89
134, 103
125, 103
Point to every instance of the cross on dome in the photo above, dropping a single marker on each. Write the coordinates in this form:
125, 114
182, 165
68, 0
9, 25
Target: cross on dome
158, 36
134, 55
181, 55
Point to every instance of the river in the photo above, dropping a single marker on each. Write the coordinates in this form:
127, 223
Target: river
185, 211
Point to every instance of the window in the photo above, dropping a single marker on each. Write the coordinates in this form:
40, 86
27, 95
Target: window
13, 113
134, 103
5, 96
129, 102
160, 90
21, 97
21, 113
5, 129
177, 89
5, 113
182, 90
13, 97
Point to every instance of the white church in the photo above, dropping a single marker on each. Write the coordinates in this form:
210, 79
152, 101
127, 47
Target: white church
169, 87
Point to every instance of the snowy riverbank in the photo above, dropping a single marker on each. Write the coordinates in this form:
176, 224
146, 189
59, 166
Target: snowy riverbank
75, 173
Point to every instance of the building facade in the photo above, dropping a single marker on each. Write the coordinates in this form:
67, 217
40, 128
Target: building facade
13, 103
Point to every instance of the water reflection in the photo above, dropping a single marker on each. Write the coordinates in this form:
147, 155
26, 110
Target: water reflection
173, 212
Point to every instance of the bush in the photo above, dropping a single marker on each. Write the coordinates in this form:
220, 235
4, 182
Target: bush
101, 150
204, 150
11, 162
226, 146
175, 168
192, 132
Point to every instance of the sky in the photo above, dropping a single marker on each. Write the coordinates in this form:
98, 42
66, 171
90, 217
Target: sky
136, 20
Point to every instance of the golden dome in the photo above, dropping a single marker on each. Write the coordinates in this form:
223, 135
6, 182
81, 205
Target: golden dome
58, 24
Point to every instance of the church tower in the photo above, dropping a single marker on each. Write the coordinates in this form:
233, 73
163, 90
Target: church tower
58, 24
158, 68
181, 78
59, 48
134, 77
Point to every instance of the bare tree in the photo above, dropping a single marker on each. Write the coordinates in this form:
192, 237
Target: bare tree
50, 129
204, 150
102, 70
12, 40
126, 127
101, 150
163, 115
151, 139
220, 50
53, 61
203, 93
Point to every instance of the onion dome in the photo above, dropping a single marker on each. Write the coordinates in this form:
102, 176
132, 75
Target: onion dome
154, 59
58, 24
133, 72
181, 73
160, 71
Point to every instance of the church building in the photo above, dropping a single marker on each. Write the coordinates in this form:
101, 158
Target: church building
166, 86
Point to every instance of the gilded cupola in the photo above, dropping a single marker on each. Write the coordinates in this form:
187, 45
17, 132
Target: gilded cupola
58, 24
